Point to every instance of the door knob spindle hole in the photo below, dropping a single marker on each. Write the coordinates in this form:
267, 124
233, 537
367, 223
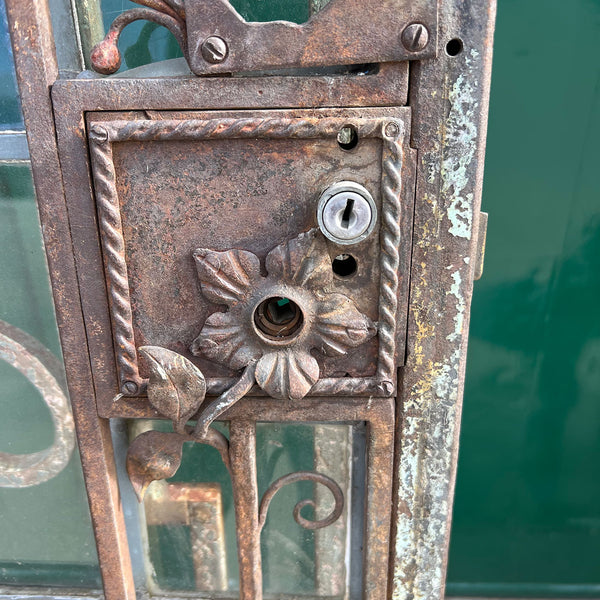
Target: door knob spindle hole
278, 317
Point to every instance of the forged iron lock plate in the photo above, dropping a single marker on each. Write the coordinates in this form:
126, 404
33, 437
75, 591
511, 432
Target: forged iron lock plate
236, 197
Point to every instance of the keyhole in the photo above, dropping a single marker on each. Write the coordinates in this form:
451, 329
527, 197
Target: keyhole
347, 213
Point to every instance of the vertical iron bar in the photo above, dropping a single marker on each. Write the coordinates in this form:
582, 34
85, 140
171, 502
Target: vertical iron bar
37, 70
380, 462
242, 453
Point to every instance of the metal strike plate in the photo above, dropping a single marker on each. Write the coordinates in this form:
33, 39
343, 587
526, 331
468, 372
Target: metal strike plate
214, 38
236, 198
344, 32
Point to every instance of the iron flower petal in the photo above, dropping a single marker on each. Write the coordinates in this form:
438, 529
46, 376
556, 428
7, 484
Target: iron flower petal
227, 277
303, 261
223, 339
287, 374
339, 325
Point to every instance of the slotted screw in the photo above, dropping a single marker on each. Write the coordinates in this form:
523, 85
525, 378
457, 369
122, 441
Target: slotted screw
415, 37
214, 49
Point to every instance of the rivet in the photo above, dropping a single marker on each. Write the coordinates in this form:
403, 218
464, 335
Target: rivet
392, 129
99, 133
129, 387
386, 387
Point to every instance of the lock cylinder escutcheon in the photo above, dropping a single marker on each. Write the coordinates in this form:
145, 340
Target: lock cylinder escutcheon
346, 213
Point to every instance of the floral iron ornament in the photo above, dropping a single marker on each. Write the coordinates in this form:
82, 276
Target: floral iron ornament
271, 325
278, 319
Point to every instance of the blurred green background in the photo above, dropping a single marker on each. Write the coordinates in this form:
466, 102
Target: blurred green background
527, 509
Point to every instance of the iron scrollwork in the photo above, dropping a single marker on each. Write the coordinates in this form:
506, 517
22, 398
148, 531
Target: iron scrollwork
44, 372
261, 333
177, 391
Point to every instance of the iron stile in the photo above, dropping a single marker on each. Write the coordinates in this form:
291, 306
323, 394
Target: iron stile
252, 322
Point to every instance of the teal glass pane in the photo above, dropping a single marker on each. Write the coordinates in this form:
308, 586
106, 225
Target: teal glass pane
527, 509
45, 530
10, 106
296, 11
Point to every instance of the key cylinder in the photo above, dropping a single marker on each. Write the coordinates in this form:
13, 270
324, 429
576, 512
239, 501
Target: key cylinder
346, 213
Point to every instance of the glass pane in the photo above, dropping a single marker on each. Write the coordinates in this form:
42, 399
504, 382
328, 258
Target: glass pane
298, 560
10, 107
45, 531
190, 520
296, 11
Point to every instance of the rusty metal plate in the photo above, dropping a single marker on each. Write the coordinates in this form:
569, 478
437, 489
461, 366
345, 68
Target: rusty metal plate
165, 187
214, 38
344, 32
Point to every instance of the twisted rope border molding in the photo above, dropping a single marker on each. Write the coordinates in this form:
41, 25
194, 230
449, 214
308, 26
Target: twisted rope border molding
103, 135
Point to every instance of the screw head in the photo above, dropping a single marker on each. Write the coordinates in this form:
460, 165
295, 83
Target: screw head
392, 129
214, 49
129, 387
415, 37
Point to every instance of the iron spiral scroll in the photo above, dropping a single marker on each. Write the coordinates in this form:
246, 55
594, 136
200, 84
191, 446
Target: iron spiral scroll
329, 483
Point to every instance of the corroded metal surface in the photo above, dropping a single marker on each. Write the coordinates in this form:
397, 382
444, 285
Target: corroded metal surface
43, 370
376, 364
449, 97
215, 39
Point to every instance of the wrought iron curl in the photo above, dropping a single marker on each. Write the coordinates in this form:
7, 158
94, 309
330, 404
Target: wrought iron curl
106, 56
329, 483
391, 187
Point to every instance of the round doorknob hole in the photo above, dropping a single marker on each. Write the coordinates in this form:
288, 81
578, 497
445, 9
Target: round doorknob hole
278, 317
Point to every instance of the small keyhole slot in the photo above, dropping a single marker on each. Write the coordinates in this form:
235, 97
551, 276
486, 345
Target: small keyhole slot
347, 214
344, 265
278, 317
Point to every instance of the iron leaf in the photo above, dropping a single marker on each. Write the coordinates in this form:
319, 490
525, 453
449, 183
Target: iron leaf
176, 388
